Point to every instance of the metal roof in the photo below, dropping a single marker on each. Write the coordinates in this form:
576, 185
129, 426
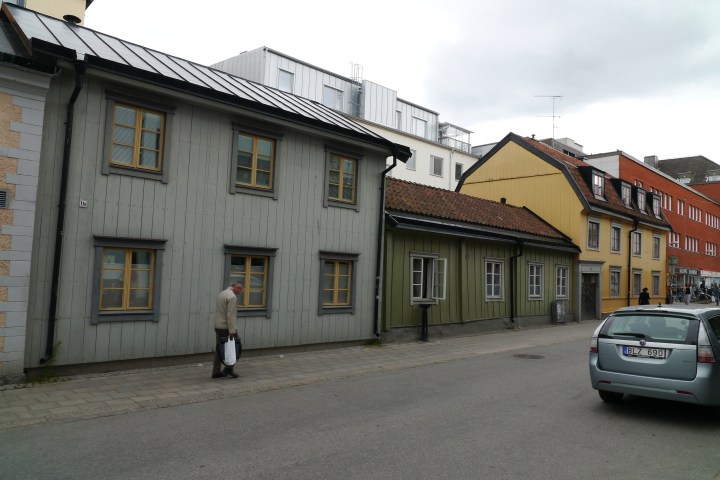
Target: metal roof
40, 33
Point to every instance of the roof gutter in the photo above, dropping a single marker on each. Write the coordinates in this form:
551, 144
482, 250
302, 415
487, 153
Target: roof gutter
80, 68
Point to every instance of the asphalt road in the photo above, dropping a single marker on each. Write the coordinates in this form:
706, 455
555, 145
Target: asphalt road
510, 415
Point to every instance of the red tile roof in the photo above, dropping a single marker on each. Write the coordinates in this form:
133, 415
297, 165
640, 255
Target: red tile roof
408, 197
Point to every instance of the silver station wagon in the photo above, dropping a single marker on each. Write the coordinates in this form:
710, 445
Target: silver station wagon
660, 352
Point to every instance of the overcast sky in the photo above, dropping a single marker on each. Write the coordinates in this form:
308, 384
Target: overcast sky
642, 76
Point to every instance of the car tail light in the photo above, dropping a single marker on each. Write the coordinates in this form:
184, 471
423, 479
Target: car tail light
593, 344
705, 352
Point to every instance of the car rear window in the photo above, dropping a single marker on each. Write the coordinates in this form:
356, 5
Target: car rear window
662, 328
714, 323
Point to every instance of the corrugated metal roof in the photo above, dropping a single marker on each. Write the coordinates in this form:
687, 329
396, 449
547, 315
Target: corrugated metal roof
34, 29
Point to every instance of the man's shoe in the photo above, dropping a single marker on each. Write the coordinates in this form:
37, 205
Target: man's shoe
219, 375
229, 373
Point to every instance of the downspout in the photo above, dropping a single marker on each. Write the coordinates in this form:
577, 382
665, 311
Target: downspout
80, 67
380, 249
630, 247
513, 266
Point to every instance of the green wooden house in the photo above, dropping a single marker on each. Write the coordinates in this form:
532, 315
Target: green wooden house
471, 264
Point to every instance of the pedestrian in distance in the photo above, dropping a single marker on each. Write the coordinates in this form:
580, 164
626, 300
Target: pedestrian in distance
225, 324
716, 294
644, 297
688, 293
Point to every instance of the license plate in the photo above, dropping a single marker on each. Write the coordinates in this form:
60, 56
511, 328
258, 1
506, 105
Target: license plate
644, 352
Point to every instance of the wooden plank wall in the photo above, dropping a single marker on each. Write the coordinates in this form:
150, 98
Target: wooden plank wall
197, 216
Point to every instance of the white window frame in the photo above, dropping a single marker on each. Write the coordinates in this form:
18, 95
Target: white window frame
332, 97
626, 193
596, 237
284, 75
431, 278
637, 244
656, 247
613, 230
637, 282
598, 185
419, 127
410, 164
494, 275
615, 278
655, 284
433, 161
458, 171
562, 276
536, 281
641, 199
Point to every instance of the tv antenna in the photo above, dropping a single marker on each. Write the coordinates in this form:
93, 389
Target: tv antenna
553, 98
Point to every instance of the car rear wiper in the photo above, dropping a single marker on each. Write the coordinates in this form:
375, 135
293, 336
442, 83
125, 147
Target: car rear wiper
631, 334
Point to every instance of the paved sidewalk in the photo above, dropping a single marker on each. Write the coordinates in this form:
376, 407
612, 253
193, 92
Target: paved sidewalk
90, 396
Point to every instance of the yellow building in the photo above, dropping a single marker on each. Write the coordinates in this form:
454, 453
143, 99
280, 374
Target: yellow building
70, 10
618, 226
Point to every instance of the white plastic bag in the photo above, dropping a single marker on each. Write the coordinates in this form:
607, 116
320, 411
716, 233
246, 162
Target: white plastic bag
229, 357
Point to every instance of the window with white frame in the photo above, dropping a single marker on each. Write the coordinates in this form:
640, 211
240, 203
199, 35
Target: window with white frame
410, 164
637, 282
436, 165
494, 279
694, 213
656, 283
656, 247
332, 97
561, 281
419, 127
691, 244
285, 80
615, 232
711, 220
598, 185
637, 243
667, 202
711, 249
673, 240
641, 199
593, 241
626, 193
615, 281
680, 207
428, 275
398, 120
656, 205
458, 171
535, 281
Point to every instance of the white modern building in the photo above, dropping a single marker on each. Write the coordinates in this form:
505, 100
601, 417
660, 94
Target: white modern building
441, 151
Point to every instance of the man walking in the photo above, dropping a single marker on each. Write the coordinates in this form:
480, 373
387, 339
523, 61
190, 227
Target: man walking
644, 297
226, 324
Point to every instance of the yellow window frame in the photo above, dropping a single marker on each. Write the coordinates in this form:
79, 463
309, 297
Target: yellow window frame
127, 280
247, 284
341, 184
254, 167
137, 137
336, 290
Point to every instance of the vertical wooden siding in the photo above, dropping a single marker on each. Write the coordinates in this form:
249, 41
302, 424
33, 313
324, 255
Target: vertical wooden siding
465, 297
197, 216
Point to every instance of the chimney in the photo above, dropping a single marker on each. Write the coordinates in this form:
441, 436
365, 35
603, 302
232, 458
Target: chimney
72, 19
503, 200
652, 160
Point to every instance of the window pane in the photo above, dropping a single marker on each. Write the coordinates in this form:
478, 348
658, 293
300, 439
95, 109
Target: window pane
122, 155
327, 297
148, 159
333, 191
264, 163
140, 279
243, 176
124, 116
262, 179
245, 143
343, 297
139, 298
256, 298
111, 299
348, 194
257, 264
334, 177
334, 163
113, 258
142, 259
151, 140
264, 148
112, 279
151, 121
123, 136
244, 159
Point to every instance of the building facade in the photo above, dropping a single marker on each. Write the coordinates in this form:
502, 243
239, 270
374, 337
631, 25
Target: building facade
468, 264
441, 151
160, 181
692, 245
70, 10
618, 226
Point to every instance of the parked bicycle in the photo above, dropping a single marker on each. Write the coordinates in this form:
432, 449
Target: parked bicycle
700, 296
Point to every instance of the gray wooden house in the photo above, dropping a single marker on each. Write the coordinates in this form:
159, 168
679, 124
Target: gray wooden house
473, 264
162, 180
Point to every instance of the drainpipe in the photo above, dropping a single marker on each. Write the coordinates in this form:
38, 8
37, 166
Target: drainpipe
513, 266
380, 249
630, 247
80, 67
